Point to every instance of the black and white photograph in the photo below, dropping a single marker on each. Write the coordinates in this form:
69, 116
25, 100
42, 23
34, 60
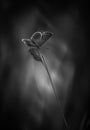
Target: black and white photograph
44, 65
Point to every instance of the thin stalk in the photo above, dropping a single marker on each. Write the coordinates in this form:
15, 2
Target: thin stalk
57, 99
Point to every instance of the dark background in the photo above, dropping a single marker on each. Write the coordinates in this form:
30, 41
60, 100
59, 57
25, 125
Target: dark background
14, 115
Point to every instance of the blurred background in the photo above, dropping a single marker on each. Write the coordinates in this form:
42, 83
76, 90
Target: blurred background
27, 101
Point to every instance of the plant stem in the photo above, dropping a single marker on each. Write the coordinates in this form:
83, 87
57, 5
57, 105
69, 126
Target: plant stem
57, 99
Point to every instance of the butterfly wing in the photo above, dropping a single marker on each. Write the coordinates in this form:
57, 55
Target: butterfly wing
28, 42
45, 36
36, 38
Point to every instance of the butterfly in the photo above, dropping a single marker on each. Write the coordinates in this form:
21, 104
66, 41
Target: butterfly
36, 41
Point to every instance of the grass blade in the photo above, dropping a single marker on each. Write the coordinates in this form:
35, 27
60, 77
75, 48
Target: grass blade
57, 99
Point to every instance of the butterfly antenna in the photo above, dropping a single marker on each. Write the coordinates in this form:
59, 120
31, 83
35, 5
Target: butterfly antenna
58, 102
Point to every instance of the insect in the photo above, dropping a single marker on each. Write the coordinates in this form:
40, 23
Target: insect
36, 41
